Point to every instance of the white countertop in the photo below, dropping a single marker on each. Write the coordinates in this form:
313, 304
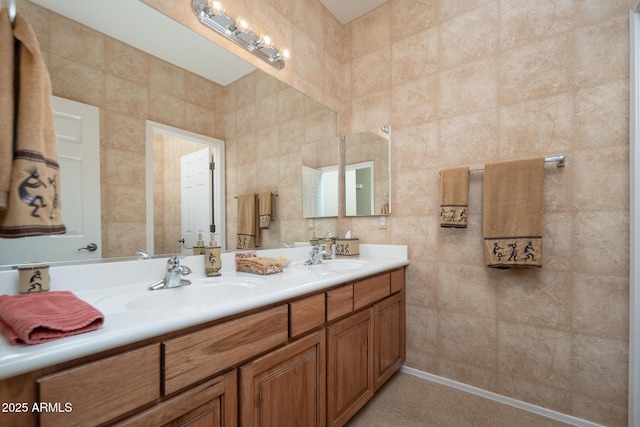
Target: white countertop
133, 313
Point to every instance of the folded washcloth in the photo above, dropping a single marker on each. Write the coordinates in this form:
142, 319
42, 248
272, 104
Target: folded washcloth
454, 197
513, 204
248, 231
46, 316
266, 208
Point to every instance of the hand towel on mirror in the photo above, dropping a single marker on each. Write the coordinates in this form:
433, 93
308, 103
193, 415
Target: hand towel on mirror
267, 208
46, 316
248, 230
454, 197
513, 206
33, 207
6, 106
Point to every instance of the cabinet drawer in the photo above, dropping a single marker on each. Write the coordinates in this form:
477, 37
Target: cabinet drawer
100, 391
306, 314
397, 280
202, 354
339, 302
370, 290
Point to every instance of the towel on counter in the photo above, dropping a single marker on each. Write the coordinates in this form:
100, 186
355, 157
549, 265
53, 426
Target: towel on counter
513, 205
33, 205
46, 316
6, 106
266, 208
454, 197
248, 226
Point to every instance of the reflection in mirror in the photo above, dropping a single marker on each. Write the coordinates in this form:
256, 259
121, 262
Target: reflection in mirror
319, 180
185, 189
264, 122
367, 169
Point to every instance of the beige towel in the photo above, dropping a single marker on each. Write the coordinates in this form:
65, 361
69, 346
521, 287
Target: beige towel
267, 208
34, 196
513, 204
6, 106
248, 231
454, 197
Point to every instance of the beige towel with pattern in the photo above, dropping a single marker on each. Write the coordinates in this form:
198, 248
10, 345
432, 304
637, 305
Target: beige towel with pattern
512, 221
33, 206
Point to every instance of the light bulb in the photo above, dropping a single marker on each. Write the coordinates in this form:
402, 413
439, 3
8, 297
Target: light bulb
243, 25
265, 41
285, 53
217, 7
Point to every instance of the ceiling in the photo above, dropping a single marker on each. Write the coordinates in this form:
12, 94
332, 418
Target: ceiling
348, 10
140, 26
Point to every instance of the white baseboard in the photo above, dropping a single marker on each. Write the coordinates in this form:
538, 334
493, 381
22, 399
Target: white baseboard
558, 416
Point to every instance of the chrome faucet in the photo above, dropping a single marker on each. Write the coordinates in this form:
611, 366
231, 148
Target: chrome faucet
173, 275
316, 255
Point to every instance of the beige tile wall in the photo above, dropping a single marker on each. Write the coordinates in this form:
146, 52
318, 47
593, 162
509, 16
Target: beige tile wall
464, 82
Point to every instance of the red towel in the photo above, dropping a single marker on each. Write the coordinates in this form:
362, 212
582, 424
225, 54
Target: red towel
46, 316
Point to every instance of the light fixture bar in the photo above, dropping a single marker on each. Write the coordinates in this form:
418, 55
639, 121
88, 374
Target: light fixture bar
228, 28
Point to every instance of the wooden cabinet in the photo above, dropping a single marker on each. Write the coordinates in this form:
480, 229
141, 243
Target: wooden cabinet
366, 348
389, 337
98, 392
199, 355
312, 361
286, 388
350, 381
212, 404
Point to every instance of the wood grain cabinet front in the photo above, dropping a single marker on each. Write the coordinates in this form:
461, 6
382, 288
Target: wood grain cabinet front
350, 381
212, 404
95, 393
196, 356
389, 337
286, 388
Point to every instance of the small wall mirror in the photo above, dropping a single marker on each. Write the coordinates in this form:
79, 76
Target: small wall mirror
367, 177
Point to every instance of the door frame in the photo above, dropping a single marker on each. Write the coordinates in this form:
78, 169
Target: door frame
217, 148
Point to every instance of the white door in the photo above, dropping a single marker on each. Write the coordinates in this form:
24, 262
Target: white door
310, 183
77, 128
195, 182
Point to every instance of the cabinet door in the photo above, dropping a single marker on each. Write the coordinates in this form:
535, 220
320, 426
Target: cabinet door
212, 404
390, 337
286, 387
350, 381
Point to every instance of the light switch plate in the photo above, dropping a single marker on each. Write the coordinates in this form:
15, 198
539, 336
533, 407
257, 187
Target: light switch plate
383, 222
310, 224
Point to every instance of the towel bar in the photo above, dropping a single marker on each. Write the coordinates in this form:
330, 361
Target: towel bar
275, 193
560, 160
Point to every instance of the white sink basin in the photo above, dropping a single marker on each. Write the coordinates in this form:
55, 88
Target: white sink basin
198, 294
339, 265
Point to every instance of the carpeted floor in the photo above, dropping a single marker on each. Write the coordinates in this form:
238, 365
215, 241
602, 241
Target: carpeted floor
408, 401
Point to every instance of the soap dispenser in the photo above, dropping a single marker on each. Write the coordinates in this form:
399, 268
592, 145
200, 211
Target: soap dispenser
212, 259
198, 248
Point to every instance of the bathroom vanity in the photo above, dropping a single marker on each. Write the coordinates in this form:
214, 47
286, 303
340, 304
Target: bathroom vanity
307, 347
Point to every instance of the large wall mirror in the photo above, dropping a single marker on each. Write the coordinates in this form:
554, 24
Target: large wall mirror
367, 177
172, 76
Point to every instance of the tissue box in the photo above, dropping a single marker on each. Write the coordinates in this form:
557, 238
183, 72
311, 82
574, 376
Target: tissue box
347, 247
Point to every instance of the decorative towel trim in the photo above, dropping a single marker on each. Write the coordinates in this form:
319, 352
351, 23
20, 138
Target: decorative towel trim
453, 216
525, 251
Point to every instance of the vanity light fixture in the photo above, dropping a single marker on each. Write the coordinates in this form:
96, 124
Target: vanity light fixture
211, 14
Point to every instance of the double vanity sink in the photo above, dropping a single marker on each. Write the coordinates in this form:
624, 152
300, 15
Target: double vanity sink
134, 313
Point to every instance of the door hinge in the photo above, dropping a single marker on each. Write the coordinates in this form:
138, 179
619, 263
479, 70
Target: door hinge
212, 228
212, 166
